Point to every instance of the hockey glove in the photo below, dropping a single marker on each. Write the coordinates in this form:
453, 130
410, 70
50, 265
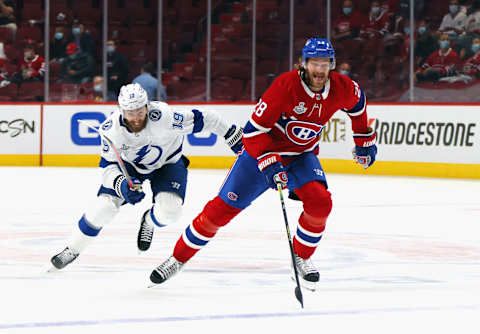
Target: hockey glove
233, 138
272, 168
132, 196
365, 149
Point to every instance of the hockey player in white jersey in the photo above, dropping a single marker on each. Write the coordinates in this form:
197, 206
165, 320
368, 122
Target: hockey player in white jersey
148, 136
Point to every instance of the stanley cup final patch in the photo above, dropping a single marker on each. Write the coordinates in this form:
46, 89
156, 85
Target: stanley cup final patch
300, 109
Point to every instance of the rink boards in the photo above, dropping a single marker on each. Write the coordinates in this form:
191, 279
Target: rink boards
437, 140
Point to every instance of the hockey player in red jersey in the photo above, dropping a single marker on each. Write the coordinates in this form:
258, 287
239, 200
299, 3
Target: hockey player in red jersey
281, 145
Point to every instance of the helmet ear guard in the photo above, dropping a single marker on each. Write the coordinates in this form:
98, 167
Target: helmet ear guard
318, 48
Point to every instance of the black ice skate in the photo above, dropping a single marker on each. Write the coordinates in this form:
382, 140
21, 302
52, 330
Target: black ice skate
307, 273
145, 234
166, 270
62, 259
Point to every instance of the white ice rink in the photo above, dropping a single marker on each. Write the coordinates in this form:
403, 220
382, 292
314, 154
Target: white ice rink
400, 255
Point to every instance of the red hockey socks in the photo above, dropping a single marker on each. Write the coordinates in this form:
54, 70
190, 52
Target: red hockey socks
215, 214
317, 204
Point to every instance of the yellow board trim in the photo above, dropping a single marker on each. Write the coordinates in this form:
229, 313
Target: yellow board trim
396, 168
20, 160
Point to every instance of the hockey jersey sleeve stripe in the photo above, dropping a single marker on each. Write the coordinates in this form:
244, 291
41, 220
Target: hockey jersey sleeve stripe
104, 163
198, 122
253, 129
359, 108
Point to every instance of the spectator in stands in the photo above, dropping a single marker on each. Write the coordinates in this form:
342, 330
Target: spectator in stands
117, 68
82, 38
96, 92
348, 24
77, 67
472, 29
7, 16
440, 63
344, 68
453, 23
375, 28
58, 46
377, 23
425, 43
471, 67
150, 83
3, 67
31, 67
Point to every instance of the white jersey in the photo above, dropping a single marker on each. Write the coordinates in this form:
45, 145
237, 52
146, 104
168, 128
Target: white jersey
159, 143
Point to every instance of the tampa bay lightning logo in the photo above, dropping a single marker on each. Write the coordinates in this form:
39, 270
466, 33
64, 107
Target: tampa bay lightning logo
302, 133
154, 115
107, 125
148, 155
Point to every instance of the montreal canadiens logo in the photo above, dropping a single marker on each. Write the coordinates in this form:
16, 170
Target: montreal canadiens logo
302, 133
232, 196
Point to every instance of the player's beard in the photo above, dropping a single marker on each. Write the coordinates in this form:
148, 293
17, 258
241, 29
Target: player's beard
316, 81
136, 126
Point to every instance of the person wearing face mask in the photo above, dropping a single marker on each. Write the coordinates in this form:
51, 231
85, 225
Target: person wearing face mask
471, 66
348, 23
77, 67
96, 91
58, 46
82, 38
454, 21
31, 67
441, 63
117, 68
425, 43
377, 23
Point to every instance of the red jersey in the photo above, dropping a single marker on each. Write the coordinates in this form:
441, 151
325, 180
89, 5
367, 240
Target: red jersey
446, 62
289, 117
348, 24
472, 65
36, 66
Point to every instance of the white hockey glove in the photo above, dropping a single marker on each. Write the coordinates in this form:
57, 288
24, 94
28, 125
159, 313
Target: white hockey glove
233, 138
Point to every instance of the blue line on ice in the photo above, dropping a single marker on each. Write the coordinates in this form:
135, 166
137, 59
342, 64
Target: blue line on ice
232, 316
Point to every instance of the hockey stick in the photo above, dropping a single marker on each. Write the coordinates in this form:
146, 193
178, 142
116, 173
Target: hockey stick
137, 187
298, 291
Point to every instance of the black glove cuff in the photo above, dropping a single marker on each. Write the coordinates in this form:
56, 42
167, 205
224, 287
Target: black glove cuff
117, 185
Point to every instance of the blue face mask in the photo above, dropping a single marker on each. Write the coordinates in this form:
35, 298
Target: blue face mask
444, 44
475, 47
406, 30
98, 88
421, 30
453, 8
345, 72
76, 31
58, 35
110, 48
347, 10
375, 10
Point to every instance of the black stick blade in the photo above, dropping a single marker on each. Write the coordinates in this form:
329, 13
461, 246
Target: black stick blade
298, 294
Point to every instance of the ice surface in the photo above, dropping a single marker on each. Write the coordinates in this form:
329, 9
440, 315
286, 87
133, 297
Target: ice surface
400, 255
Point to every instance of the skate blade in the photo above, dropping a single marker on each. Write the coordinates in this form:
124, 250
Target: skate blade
51, 269
310, 286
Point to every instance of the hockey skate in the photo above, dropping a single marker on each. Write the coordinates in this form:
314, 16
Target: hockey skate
166, 270
307, 273
145, 234
62, 259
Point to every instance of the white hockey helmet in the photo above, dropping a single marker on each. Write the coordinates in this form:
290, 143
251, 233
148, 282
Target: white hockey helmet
132, 96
